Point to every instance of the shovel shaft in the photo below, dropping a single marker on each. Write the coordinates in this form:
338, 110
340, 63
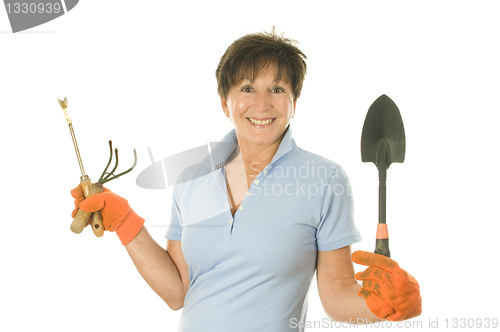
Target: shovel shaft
382, 241
382, 202
382, 165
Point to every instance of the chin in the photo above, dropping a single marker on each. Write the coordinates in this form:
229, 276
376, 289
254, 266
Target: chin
265, 138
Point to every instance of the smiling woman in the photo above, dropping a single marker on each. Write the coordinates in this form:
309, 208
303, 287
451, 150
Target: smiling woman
245, 239
249, 267
259, 80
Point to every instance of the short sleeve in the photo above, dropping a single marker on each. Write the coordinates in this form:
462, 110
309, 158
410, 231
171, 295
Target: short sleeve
174, 230
336, 228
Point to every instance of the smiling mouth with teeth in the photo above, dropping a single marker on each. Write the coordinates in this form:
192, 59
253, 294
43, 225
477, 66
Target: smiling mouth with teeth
258, 122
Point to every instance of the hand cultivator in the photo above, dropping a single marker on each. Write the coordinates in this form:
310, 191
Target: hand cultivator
82, 218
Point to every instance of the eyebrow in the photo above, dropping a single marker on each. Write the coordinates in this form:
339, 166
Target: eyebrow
252, 80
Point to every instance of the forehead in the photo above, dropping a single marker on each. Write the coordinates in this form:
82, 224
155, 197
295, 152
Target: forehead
251, 71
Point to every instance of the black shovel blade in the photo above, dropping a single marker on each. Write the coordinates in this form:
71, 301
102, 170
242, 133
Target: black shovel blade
383, 127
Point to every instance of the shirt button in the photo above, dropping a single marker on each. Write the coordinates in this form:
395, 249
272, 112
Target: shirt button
248, 194
241, 207
265, 171
230, 221
256, 182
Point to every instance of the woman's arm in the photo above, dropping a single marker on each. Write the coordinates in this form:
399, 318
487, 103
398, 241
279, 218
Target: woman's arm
338, 288
165, 271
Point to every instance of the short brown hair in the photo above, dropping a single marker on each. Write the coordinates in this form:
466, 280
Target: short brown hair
250, 54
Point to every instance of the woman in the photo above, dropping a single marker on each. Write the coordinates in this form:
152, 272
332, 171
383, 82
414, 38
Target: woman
252, 223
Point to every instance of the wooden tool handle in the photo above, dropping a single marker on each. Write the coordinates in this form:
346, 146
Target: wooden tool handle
80, 221
96, 218
82, 217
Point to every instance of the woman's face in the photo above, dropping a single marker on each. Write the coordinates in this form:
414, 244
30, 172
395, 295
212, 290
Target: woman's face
260, 110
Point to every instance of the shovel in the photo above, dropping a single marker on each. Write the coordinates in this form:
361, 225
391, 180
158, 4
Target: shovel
382, 143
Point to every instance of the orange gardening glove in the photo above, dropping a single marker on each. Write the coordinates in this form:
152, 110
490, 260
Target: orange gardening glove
390, 292
117, 214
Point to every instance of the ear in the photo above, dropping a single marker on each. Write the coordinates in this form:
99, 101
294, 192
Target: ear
224, 107
294, 104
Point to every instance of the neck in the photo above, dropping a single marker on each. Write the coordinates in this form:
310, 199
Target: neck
257, 157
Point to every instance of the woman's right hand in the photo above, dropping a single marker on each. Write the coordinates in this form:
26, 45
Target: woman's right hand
117, 214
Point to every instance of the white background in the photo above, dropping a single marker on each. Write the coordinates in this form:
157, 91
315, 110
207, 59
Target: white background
142, 74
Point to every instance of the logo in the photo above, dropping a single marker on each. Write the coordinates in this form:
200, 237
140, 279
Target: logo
184, 166
25, 15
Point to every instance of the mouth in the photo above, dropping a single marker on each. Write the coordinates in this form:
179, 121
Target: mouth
261, 122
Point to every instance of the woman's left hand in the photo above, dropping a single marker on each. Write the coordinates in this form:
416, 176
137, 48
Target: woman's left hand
390, 292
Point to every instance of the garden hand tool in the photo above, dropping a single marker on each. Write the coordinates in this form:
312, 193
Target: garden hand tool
82, 217
383, 142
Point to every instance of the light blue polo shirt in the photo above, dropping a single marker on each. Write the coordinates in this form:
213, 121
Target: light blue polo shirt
252, 272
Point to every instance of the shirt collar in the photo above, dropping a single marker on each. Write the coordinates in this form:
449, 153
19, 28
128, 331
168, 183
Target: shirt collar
220, 152
287, 144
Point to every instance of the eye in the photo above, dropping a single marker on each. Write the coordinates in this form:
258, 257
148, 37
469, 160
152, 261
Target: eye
277, 89
246, 88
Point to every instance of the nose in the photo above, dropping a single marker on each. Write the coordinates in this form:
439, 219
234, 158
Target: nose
262, 101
